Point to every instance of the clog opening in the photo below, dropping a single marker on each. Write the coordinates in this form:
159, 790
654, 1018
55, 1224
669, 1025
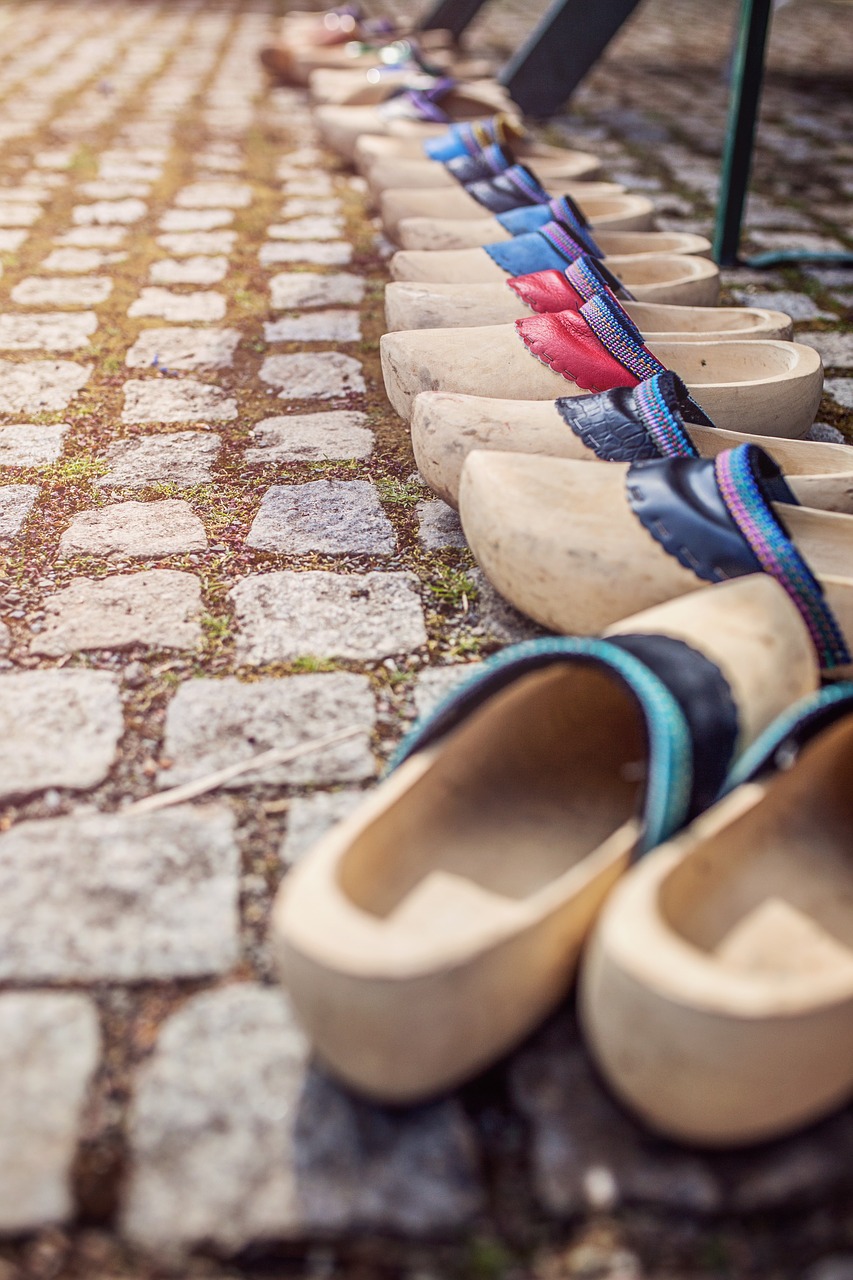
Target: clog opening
645, 269
728, 362
519, 794
771, 895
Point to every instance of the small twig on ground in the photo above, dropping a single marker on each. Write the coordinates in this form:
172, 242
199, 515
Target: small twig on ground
263, 760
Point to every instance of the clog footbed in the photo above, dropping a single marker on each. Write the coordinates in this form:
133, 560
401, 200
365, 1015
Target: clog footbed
432, 929
574, 546
761, 387
672, 278
611, 425
717, 993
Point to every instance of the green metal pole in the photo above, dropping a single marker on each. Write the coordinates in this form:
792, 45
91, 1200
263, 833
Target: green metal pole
744, 102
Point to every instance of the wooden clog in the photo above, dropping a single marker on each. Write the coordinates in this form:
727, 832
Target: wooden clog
760, 387
430, 931
383, 175
341, 127
574, 545
475, 266
361, 88
717, 992
447, 427
608, 213
457, 203
677, 279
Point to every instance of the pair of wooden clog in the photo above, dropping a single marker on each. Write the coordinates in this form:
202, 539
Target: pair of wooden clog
430, 931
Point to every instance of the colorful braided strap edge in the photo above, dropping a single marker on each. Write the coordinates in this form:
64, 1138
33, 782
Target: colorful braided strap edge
737, 474
618, 334
664, 427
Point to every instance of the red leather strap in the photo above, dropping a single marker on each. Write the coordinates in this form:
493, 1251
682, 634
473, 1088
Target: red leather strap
546, 291
564, 341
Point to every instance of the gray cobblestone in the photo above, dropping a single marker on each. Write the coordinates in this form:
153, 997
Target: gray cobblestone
438, 525
16, 503
214, 195
158, 607
307, 289
180, 348
214, 723
316, 326
47, 332
195, 219
313, 437
337, 517
195, 270
26, 445
835, 349
181, 307
80, 261
321, 375
186, 400
135, 530
325, 253
105, 212
187, 244
119, 898
310, 817
282, 616
57, 729
231, 1133
49, 1049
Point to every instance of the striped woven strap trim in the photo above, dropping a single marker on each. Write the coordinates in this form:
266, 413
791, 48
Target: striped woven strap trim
739, 478
473, 137
618, 334
495, 158
565, 244
662, 422
421, 104
588, 277
526, 184
565, 212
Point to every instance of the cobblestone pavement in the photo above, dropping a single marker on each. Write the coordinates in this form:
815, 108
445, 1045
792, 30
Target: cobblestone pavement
213, 541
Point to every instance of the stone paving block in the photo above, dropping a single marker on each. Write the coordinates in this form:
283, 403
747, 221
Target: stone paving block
314, 227
795, 240
40, 291
308, 289
128, 170
799, 306
183, 308
19, 215
841, 390
5, 638
337, 517
182, 458
301, 207
318, 326
195, 219
186, 244
57, 158
311, 437
318, 185
105, 212
79, 261
283, 616
92, 237
435, 683
197, 270
49, 1050
325, 253
50, 331
836, 349
120, 897
214, 195
158, 607
57, 729
135, 530
498, 619
177, 348
107, 189
16, 503
211, 724
25, 444
175, 400
438, 525
11, 241
310, 817
234, 1139
824, 433
320, 375
301, 158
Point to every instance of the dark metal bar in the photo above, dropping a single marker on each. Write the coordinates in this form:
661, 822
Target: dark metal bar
454, 15
744, 102
561, 49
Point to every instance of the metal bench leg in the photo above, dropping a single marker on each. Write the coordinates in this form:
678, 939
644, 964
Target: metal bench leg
454, 15
560, 51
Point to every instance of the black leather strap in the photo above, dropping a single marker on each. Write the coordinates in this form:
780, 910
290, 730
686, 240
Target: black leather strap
706, 699
608, 423
500, 194
468, 169
678, 501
